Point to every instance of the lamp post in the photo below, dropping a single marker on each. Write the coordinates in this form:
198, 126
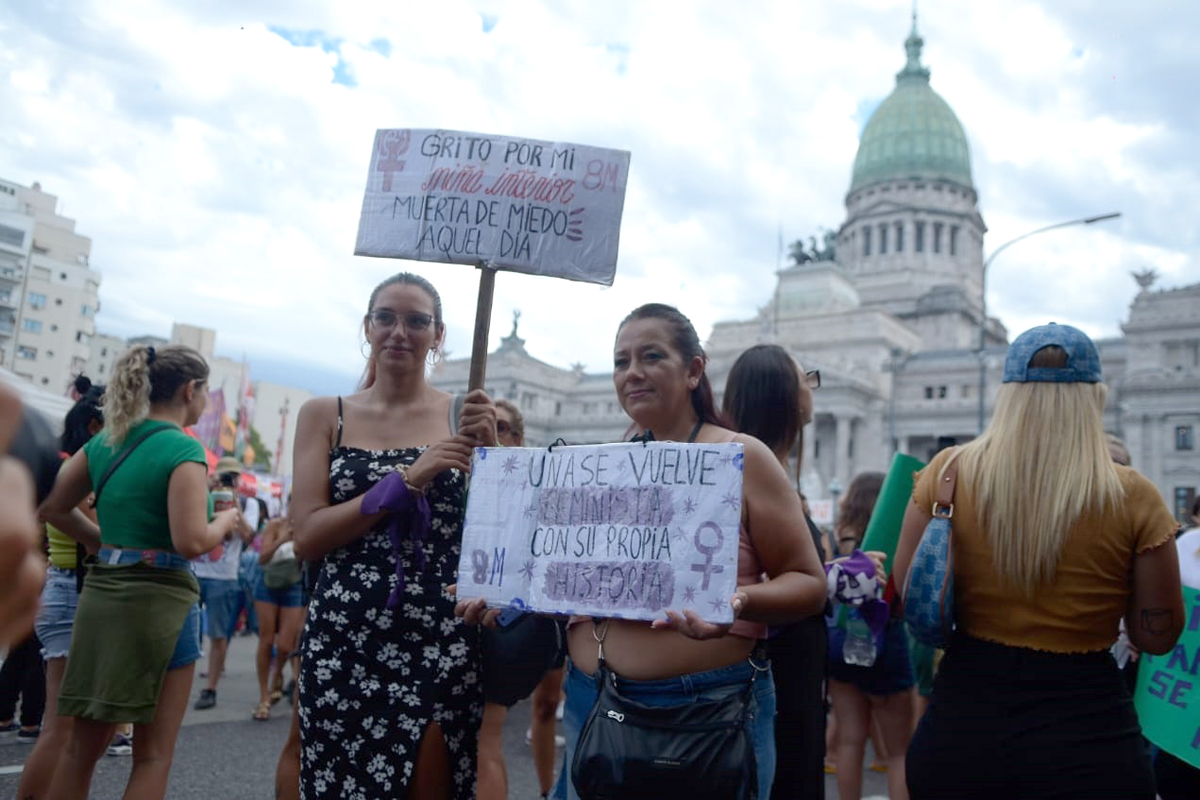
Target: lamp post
983, 293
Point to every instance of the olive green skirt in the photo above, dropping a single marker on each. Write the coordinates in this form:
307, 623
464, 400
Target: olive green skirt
126, 628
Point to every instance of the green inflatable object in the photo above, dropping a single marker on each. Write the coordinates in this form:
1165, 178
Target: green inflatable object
883, 531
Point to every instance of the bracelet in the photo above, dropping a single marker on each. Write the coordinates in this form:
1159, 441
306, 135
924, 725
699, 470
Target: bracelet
403, 470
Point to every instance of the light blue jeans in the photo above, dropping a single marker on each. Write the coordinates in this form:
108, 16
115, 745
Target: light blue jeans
713, 684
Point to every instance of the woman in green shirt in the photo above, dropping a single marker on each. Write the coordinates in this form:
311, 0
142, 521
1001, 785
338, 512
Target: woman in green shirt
136, 637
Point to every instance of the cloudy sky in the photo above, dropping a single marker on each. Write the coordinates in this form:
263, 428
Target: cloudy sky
216, 153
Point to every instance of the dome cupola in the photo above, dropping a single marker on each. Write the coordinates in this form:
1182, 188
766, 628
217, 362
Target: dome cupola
913, 134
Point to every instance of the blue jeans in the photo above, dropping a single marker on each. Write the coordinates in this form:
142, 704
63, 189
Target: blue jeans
222, 601
713, 684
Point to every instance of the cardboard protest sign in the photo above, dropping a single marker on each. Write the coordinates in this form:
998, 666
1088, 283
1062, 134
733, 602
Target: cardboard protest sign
539, 207
614, 530
1168, 690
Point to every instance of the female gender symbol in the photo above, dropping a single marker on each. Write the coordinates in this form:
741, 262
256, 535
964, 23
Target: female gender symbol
708, 567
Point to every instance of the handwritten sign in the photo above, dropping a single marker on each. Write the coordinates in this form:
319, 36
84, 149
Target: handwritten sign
544, 208
1168, 690
615, 530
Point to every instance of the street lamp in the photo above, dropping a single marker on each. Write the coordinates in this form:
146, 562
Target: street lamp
983, 292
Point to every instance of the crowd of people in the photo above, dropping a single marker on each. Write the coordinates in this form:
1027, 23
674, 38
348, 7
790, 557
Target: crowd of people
403, 680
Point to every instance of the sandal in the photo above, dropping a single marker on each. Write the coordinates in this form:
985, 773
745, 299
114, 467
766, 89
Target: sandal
262, 711
277, 691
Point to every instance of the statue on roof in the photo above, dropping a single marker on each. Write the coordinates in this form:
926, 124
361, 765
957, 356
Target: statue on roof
1145, 278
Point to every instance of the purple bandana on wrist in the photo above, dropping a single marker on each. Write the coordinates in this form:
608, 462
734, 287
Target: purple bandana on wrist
408, 508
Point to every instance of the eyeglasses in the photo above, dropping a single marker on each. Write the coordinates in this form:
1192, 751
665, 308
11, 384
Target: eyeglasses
386, 318
813, 378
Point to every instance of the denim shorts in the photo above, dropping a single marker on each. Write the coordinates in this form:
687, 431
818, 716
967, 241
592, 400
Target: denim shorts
713, 684
221, 600
56, 616
187, 649
288, 597
187, 646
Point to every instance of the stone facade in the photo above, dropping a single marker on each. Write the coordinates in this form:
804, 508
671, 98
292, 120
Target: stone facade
893, 325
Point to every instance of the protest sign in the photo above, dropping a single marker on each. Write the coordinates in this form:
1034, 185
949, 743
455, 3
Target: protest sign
1168, 690
539, 207
614, 530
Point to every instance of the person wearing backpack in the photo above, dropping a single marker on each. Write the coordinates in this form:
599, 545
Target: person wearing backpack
279, 604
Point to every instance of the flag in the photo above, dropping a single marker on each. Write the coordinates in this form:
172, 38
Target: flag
208, 427
227, 439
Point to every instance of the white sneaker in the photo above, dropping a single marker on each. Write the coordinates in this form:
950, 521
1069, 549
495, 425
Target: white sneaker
559, 739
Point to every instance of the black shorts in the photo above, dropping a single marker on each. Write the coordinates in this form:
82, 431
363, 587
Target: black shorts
516, 657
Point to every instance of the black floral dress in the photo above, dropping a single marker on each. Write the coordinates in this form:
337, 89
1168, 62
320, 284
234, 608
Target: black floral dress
372, 679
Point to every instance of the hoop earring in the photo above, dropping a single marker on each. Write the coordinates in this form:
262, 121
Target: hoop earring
433, 357
366, 345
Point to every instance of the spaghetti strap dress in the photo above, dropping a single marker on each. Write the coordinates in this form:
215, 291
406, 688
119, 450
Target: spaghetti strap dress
373, 678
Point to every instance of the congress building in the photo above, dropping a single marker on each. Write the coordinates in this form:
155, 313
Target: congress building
894, 322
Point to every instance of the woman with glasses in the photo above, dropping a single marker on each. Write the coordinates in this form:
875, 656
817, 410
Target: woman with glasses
136, 636
390, 697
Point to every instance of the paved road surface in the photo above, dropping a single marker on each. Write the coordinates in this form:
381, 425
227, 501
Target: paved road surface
222, 753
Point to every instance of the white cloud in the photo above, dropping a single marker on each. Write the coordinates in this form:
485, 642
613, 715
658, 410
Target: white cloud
218, 167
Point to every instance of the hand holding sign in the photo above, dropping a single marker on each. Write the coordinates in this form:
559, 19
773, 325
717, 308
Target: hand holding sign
636, 531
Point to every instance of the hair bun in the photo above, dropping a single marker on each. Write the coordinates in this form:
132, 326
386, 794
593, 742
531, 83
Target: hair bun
82, 383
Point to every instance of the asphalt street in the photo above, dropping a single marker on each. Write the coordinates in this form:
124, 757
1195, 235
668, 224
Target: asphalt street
223, 753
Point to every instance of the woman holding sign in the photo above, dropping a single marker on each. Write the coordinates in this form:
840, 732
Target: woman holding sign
680, 660
389, 692
1053, 544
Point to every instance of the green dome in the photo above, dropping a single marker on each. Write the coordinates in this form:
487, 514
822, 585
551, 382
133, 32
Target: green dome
913, 133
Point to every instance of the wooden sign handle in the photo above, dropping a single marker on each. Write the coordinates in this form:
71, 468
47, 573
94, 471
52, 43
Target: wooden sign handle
483, 322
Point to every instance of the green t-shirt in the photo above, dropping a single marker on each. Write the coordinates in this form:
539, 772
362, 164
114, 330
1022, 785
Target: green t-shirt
133, 506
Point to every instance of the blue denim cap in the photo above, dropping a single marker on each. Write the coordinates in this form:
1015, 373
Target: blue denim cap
1083, 360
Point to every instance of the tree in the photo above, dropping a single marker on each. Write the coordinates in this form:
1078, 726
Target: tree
262, 456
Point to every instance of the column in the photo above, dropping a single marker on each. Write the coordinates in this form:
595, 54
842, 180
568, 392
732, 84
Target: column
808, 454
841, 460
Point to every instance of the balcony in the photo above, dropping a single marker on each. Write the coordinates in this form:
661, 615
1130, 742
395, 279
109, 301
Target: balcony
7, 327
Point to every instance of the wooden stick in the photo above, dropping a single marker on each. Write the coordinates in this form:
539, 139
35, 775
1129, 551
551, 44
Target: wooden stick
483, 322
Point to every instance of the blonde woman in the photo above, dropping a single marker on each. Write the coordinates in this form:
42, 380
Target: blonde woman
136, 635
1053, 545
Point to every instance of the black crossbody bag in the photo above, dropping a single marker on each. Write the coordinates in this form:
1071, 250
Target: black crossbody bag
81, 557
699, 750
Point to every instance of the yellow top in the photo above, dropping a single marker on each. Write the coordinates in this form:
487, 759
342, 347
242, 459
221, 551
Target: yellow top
62, 548
1079, 612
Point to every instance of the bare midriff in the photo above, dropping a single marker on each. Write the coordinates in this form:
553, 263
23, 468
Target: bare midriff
636, 651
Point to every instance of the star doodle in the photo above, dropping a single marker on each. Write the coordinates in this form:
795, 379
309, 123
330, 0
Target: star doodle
732, 500
679, 534
689, 506
622, 466
724, 459
510, 465
530, 510
527, 570
689, 594
718, 605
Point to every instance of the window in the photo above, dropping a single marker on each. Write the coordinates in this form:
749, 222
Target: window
937, 237
53, 328
882, 239
899, 237
866, 232
919, 237
953, 240
31, 325
5, 295
58, 301
12, 236
941, 392
85, 311
1185, 496
1183, 437
29, 353
928, 392
49, 354
103, 351
37, 301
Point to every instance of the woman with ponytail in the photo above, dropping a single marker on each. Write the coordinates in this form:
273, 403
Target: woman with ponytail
136, 639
